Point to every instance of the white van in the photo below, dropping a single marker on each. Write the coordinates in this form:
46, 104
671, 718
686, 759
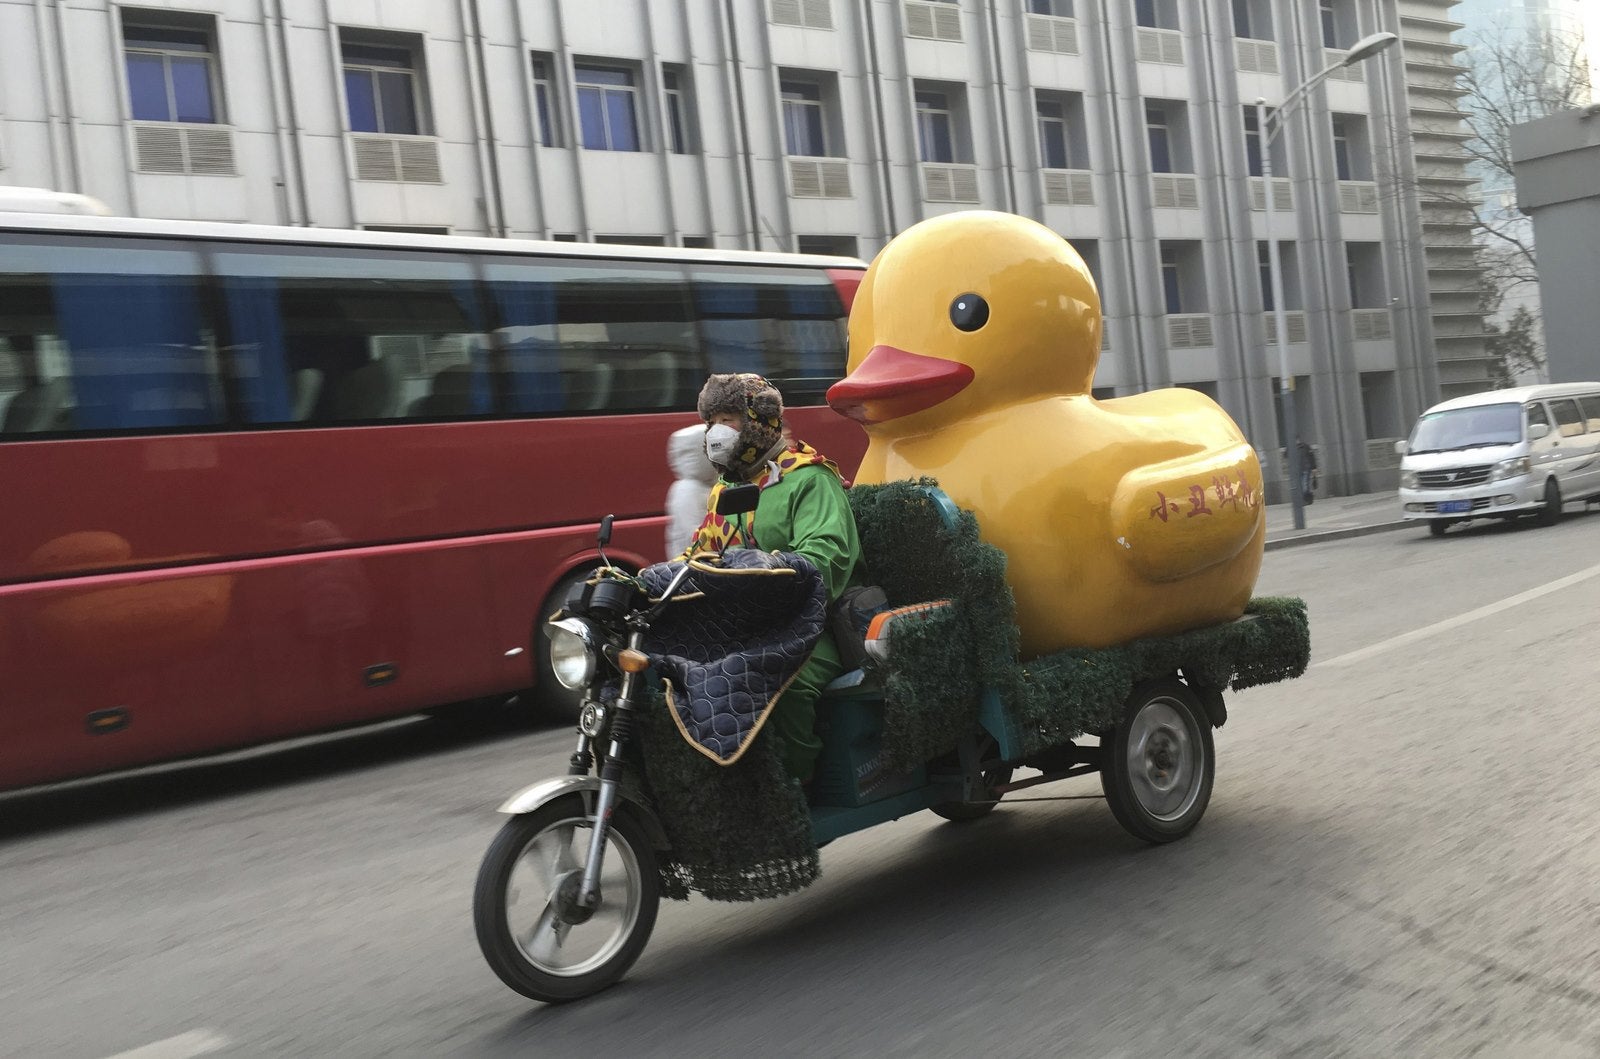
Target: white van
1523, 451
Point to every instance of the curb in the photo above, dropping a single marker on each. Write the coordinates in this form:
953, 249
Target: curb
1338, 534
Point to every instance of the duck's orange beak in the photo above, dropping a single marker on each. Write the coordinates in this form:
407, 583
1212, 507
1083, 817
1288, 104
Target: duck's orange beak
891, 383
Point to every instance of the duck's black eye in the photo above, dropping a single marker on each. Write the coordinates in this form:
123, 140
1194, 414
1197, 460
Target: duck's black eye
969, 312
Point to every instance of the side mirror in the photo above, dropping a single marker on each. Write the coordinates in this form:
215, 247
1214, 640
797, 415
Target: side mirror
737, 499
1538, 430
1399, 448
605, 530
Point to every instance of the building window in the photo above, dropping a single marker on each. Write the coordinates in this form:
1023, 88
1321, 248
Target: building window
1160, 134
1364, 265
607, 108
1289, 278
171, 74
1252, 19
935, 140
675, 87
408, 229
1330, 28
1063, 140
830, 245
1171, 285
1252, 147
1380, 404
1252, 141
1183, 277
1264, 262
1052, 134
805, 130
1058, 8
1351, 154
1089, 250
1156, 14
1166, 124
698, 242
1341, 148
380, 87
546, 111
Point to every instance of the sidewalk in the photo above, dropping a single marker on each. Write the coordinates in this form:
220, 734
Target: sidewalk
1333, 518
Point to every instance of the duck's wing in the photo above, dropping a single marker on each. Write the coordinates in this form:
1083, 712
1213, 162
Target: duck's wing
1179, 516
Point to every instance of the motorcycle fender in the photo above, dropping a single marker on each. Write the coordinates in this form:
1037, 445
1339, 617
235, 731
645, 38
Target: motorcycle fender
543, 793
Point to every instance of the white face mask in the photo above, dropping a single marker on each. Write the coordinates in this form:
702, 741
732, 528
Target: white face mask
722, 444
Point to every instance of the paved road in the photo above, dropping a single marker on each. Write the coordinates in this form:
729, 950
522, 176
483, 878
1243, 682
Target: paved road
1400, 858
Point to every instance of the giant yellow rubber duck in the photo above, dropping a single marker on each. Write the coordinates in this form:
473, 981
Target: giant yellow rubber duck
973, 344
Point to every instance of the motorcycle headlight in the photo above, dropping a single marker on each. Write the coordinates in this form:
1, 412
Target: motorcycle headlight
1408, 479
573, 650
1509, 469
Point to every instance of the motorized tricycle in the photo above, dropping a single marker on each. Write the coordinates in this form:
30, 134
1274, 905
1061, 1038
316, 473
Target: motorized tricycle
567, 895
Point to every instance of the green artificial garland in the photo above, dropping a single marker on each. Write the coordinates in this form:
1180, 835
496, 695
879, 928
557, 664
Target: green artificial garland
743, 832
739, 832
940, 666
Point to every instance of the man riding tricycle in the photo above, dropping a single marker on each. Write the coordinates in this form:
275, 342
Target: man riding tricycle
1022, 580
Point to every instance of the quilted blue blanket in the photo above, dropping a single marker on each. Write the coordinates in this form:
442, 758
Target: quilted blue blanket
735, 635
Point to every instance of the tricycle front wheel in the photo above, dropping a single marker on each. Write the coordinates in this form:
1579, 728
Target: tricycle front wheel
1158, 763
530, 926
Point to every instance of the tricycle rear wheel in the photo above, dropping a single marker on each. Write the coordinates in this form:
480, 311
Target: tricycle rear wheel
994, 775
1158, 763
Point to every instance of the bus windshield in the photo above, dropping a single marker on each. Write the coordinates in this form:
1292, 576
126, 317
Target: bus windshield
1468, 428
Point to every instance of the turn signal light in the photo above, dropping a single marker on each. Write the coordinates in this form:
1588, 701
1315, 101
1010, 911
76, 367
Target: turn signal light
630, 661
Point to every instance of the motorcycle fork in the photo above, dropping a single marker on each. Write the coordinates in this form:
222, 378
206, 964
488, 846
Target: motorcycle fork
610, 781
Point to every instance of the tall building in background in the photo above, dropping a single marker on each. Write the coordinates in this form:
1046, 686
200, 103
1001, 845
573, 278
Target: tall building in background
1445, 186
828, 125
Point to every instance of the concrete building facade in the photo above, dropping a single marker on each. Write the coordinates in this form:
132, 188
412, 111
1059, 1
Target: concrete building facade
1557, 162
1126, 125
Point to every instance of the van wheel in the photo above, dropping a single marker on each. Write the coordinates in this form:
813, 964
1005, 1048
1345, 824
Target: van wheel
1550, 514
1437, 527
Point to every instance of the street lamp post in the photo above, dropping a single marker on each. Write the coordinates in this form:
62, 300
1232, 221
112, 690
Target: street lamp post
1364, 49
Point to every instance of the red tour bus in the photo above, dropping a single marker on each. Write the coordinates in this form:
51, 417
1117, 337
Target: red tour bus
265, 481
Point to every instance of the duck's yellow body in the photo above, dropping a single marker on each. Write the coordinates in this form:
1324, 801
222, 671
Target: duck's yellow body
973, 344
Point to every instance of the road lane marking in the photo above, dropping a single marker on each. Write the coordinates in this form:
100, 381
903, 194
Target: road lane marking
183, 1046
1461, 619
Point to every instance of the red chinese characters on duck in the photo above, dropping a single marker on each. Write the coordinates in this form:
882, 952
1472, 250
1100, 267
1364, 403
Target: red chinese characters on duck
1240, 495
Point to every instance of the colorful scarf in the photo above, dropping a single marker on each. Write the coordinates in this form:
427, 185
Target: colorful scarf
717, 534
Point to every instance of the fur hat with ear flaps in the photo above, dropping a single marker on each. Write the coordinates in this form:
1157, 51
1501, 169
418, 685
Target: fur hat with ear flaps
760, 408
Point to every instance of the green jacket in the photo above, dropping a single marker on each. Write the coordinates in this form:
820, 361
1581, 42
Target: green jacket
807, 512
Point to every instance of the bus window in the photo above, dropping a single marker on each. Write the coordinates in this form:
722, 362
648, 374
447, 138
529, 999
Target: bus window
103, 336
786, 324
332, 336
584, 337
